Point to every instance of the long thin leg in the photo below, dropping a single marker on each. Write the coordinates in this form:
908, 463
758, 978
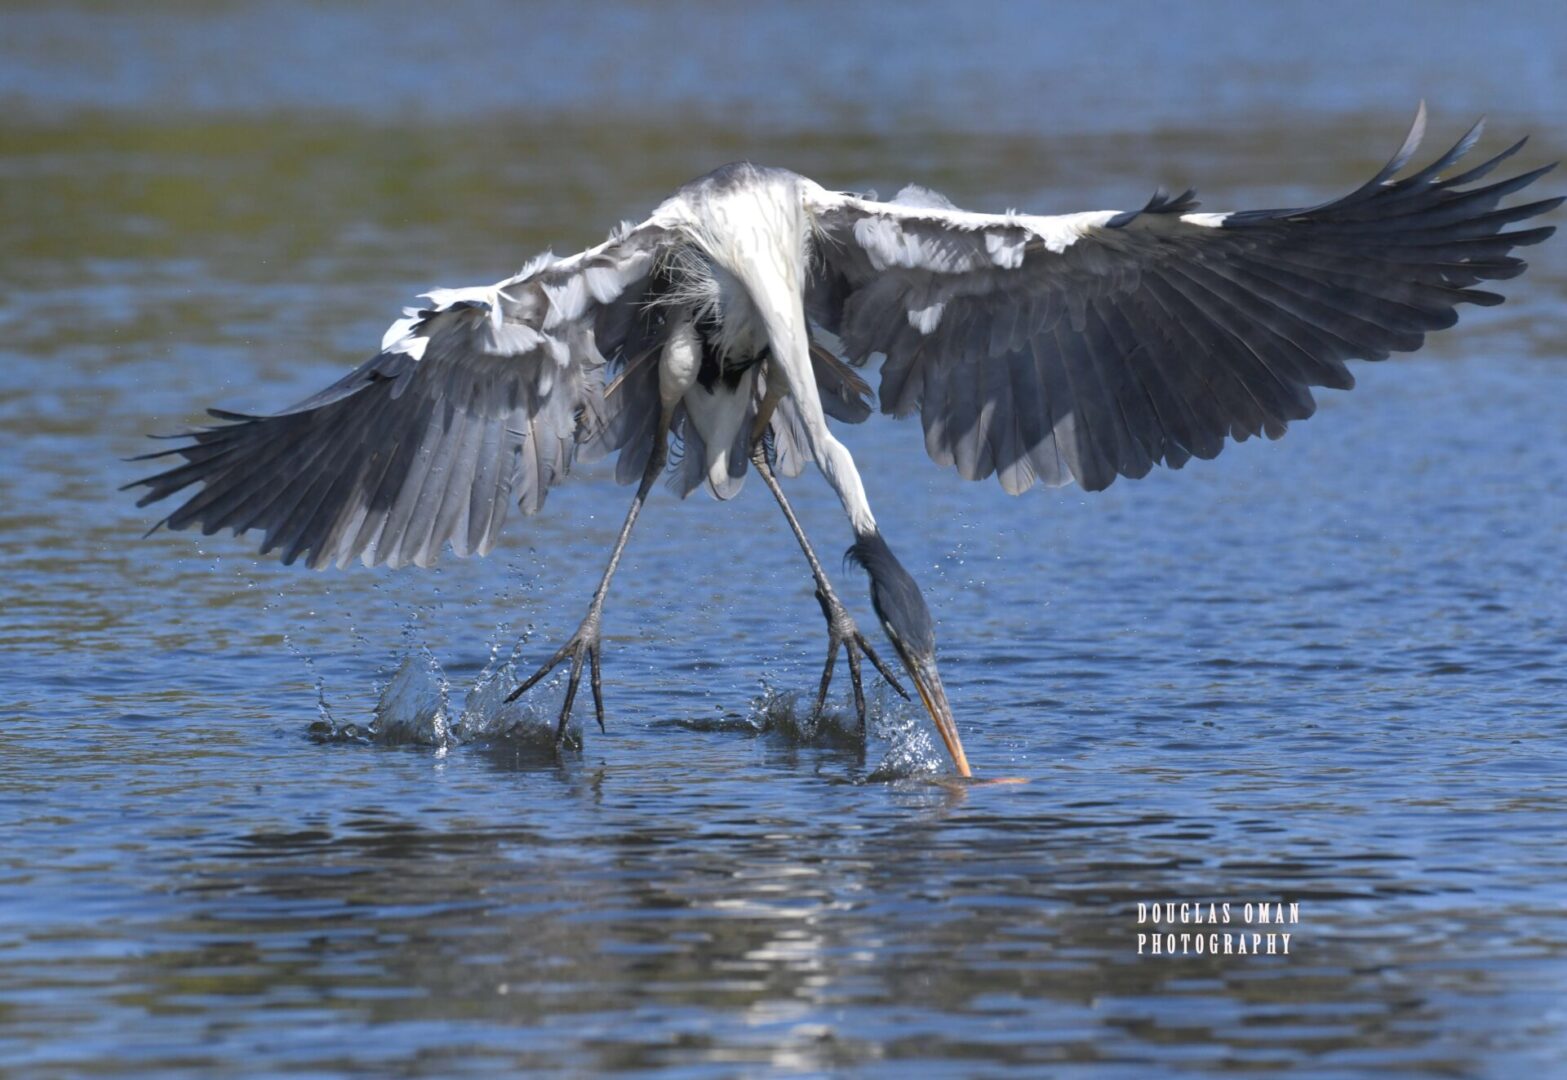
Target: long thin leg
841, 628
584, 645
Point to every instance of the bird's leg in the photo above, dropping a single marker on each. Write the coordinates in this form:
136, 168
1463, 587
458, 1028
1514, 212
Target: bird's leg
584, 645
841, 628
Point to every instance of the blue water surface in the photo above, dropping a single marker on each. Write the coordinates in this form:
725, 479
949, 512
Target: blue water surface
1326, 671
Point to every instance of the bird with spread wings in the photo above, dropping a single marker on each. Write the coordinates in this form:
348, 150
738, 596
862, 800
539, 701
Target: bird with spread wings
737, 318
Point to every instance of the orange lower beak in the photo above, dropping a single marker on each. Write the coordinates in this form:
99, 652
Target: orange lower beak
934, 695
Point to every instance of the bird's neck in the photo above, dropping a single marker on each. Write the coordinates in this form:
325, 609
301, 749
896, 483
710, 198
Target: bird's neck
894, 593
756, 233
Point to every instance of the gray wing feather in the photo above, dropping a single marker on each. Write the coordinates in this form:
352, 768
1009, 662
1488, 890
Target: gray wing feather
1094, 346
481, 398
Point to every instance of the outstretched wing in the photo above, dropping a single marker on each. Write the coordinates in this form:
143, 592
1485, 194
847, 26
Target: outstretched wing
1090, 345
481, 397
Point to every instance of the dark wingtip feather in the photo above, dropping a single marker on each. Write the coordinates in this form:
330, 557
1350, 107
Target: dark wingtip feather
1529, 210
1412, 141
1486, 166
1161, 202
1459, 150
1529, 236
1479, 297
154, 455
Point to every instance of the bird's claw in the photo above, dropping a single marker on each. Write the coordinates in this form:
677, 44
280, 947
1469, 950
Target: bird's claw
586, 647
842, 631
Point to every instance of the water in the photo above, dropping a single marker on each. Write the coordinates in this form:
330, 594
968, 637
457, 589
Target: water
1327, 670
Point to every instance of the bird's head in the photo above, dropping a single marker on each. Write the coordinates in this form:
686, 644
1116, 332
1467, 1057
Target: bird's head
908, 625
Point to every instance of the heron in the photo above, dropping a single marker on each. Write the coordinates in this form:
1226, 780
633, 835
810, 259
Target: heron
736, 319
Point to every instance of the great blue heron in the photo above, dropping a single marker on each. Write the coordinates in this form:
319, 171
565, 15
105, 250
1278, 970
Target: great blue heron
1075, 347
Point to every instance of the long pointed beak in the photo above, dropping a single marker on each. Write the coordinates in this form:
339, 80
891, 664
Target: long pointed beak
928, 682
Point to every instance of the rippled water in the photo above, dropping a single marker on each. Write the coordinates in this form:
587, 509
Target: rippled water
1327, 671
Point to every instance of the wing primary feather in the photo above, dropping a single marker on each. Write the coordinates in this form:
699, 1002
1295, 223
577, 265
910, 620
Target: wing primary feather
401, 516
1053, 462
350, 464
448, 520
1311, 357
224, 483
1462, 147
436, 474
396, 461
935, 414
1180, 320
482, 502
1092, 469
1030, 427
1340, 313
265, 476
1253, 367
1486, 167
1136, 426
1373, 187
294, 529
1123, 325
314, 522
1229, 365
987, 429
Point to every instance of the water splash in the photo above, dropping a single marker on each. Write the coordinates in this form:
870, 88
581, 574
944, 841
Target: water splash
414, 706
324, 715
788, 716
910, 751
487, 717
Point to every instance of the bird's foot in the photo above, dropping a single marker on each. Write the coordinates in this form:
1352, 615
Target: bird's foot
583, 647
842, 631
